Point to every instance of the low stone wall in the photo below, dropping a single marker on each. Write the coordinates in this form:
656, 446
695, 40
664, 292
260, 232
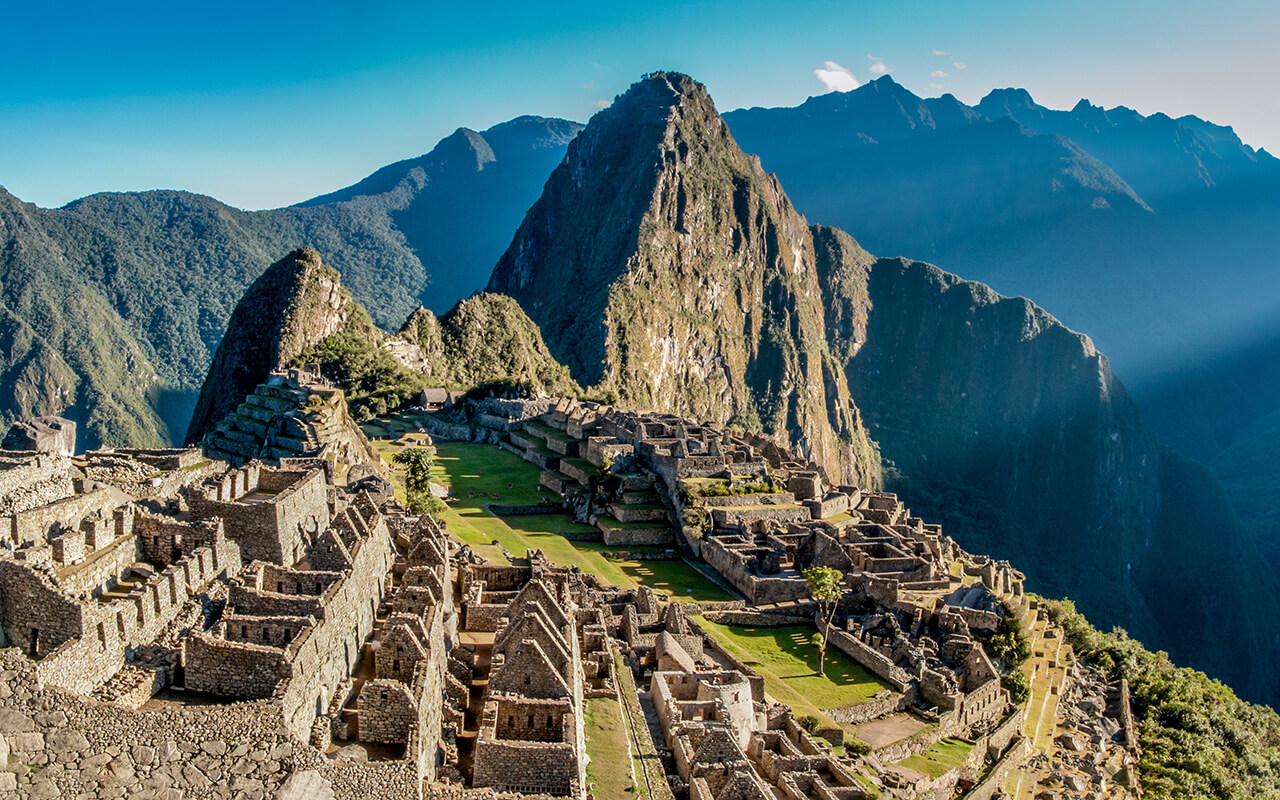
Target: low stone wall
993, 784
755, 619
869, 658
633, 537
233, 669
526, 510
874, 709
460, 432
912, 745
639, 555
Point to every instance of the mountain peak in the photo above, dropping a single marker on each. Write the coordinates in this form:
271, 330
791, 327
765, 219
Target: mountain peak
663, 264
296, 302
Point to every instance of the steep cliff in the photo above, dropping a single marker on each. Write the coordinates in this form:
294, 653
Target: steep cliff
63, 349
486, 337
664, 265
1012, 430
297, 302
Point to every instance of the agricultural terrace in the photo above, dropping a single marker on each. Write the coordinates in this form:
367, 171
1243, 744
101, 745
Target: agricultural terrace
477, 474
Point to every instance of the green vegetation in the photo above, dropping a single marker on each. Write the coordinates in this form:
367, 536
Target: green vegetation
609, 768
943, 756
486, 338
1198, 739
826, 586
719, 488
417, 463
1018, 686
475, 473
788, 663
353, 358
1011, 645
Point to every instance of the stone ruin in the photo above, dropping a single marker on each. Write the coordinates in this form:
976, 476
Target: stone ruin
175, 626
295, 414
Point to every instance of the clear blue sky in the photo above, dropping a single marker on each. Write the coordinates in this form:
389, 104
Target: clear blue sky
267, 103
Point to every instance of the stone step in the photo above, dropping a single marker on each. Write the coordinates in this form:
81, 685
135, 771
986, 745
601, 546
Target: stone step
577, 470
742, 516
617, 534
645, 497
638, 513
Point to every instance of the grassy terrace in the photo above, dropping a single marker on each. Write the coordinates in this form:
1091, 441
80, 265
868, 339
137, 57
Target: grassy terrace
609, 770
788, 662
484, 470
938, 759
546, 430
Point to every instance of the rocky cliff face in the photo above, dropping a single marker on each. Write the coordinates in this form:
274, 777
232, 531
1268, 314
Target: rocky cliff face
486, 337
664, 265
297, 302
1012, 430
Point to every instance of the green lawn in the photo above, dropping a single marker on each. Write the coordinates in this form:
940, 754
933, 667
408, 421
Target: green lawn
486, 470
788, 662
609, 767
944, 755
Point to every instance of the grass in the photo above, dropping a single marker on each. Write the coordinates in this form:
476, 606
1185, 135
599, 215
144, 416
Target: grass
943, 756
485, 470
609, 767
788, 662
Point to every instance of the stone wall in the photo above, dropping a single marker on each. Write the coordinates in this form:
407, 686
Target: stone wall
273, 525
233, 669
28, 481
870, 659
102, 568
33, 525
527, 767
326, 655
387, 711
874, 709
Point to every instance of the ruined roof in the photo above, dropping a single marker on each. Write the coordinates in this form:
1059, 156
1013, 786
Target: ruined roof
527, 671
743, 786
670, 648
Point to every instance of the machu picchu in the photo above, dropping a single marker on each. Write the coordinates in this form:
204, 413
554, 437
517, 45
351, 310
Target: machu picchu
586, 461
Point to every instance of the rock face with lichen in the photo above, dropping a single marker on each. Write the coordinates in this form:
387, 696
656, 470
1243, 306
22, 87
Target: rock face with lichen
297, 302
665, 267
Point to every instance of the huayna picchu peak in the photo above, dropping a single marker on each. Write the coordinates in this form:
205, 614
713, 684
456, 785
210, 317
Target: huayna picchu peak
643, 458
664, 265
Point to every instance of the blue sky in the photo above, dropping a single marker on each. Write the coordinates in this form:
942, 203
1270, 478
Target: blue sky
265, 104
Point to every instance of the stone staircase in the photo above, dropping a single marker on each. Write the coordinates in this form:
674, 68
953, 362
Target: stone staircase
286, 419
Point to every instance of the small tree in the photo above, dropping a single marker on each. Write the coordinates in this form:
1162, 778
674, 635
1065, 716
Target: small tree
824, 587
417, 464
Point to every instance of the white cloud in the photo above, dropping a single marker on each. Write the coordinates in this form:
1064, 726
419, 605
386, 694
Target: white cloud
937, 73
941, 53
589, 85
959, 64
600, 103
937, 87
879, 68
835, 77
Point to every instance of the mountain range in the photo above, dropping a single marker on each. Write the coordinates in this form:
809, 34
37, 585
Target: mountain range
147, 281
665, 265
670, 269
